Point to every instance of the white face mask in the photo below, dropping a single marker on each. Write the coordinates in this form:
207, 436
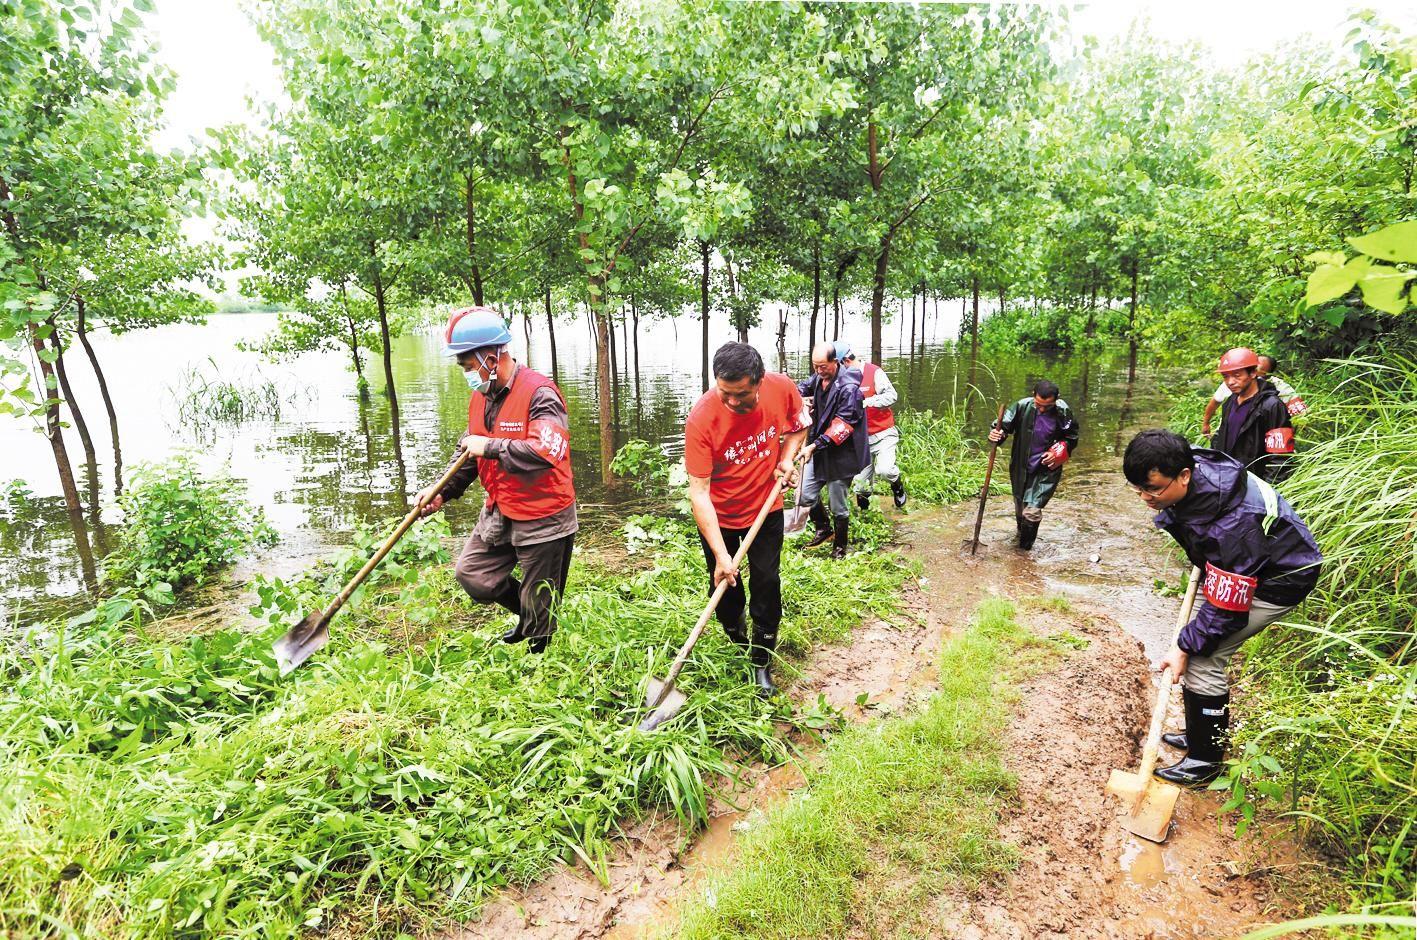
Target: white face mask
475, 381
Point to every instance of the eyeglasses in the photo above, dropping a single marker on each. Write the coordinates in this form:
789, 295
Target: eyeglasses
1151, 490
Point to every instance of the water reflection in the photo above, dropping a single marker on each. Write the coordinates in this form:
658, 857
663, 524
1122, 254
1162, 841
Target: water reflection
330, 461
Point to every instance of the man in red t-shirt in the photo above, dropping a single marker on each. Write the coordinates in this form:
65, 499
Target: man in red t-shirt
741, 437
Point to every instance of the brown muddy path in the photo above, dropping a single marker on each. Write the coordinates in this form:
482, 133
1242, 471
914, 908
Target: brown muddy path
1080, 874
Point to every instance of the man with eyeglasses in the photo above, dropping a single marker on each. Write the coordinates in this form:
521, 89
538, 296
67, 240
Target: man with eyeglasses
519, 432
1045, 436
1259, 561
836, 450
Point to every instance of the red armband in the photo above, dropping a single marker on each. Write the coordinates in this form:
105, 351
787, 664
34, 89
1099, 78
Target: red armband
838, 431
1228, 590
1296, 406
1279, 441
1059, 453
548, 439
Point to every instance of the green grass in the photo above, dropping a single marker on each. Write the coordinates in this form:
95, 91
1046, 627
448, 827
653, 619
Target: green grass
156, 787
939, 463
896, 812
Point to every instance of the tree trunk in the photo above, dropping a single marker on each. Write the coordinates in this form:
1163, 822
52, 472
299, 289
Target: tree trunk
816, 294
1132, 328
1092, 311
602, 383
911, 347
472, 244
635, 316
381, 303
704, 251
924, 315
90, 455
54, 433
782, 340
974, 325
878, 280
359, 381
81, 328
551, 334
526, 331
614, 377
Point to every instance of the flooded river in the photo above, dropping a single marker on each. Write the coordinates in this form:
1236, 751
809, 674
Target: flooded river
325, 462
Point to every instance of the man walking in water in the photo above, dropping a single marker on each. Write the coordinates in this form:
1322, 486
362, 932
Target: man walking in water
1259, 561
741, 436
1045, 436
520, 434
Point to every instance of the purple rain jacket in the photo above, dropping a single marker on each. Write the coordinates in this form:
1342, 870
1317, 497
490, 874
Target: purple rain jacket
838, 426
1220, 524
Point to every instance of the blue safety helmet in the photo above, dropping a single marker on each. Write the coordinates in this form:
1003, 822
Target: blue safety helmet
843, 350
475, 328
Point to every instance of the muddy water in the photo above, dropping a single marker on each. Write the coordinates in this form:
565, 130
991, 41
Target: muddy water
325, 462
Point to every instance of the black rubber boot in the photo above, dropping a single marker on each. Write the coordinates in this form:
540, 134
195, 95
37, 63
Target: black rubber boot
839, 536
1027, 534
863, 501
1178, 741
764, 642
898, 493
823, 524
537, 644
511, 598
1207, 722
738, 633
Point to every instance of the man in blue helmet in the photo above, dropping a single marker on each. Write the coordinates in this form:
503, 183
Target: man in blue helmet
520, 434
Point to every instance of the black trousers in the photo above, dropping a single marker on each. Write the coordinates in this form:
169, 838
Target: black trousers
485, 572
764, 576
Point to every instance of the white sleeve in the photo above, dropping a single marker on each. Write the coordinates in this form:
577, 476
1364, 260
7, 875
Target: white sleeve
885, 392
1221, 394
1285, 390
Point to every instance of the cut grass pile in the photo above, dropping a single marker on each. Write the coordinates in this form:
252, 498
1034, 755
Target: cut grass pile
896, 811
160, 788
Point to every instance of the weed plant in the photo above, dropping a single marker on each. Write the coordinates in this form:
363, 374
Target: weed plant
1328, 730
897, 810
151, 788
202, 400
179, 527
940, 464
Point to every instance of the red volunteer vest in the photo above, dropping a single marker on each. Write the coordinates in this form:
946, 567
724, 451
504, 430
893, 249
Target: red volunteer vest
877, 419
524, 496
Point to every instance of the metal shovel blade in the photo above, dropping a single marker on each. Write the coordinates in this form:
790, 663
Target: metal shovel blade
1152, 803
670, 701
302, 641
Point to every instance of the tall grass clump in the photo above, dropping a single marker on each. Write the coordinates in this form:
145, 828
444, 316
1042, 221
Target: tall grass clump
1328, 730
203, 399
179, 527
939, 463
160, 788
896, 812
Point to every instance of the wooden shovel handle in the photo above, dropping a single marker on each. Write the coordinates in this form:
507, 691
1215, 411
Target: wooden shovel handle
718, 593
984, 491
392, 540
1158, 714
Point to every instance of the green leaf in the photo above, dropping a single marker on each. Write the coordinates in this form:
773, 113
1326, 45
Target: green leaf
1385, 288
1394, 243
1328, 282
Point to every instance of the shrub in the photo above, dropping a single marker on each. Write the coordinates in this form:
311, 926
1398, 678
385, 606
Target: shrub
179, 528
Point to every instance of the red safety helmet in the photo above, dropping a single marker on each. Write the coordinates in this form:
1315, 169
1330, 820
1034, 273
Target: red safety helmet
1237, 359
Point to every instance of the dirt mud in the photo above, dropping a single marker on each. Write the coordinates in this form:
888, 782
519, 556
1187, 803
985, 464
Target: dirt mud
1080, 874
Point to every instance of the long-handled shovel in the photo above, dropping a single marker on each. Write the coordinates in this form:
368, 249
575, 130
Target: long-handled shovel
1150, 801
661, 697
309, 635
984, 493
